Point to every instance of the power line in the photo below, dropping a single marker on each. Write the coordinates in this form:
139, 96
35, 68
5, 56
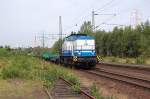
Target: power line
108, 19
89, 14
121, 25
105, 5
79, 17
83, 12
103, 21
42, 38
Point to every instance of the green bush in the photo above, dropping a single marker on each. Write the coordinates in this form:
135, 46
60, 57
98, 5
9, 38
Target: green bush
72, 78
128, 61
113, 59
47, 84
18, 69
140, 60
14, 72
76, 88
95, 92
4, 53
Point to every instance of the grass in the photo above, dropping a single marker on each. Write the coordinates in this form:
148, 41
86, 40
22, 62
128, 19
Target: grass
95, 91
24, 67
76, 87
21, 89
27, 67
127, 60
140, 60
32, 71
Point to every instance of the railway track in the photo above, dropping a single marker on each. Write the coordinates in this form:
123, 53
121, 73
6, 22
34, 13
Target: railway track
130, 66
123, 77
62, 90
135, 75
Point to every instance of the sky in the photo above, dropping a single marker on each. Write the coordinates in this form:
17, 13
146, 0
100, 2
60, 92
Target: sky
23, 20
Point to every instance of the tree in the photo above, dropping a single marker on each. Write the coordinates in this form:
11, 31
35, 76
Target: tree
124, 42
57, 46
86, 28
7, 47
121, 42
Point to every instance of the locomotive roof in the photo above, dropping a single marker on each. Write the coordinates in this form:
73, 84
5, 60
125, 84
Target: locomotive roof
79, 37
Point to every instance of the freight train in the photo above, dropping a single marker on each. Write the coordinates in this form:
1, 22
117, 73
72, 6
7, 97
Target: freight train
77, 50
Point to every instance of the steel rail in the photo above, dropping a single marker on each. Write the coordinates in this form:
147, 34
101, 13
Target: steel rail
46, 91
81, 91
122, 74
115, 76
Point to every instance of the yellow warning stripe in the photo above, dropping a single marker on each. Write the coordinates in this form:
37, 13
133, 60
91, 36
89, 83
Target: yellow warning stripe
99, 58
75, 58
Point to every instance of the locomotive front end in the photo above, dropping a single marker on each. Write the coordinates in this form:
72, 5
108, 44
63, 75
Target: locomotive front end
79, 50
84, 51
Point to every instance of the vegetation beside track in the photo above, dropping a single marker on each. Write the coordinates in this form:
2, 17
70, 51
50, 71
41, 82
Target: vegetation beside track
96, 92
125, 60
18, 65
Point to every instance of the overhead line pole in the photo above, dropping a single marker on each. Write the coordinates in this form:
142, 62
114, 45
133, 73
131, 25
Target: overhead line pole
60, 34
42, 38
93, 21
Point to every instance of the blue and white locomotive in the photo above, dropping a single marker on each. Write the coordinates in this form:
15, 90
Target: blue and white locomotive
79, 50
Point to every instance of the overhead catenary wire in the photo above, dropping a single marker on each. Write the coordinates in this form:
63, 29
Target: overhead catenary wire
111, 17
121, 25
108, 19
83, 12
79, 17
108, 3
89, 14
44, 37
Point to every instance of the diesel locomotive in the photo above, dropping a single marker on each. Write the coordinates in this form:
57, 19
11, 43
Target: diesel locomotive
77, 50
